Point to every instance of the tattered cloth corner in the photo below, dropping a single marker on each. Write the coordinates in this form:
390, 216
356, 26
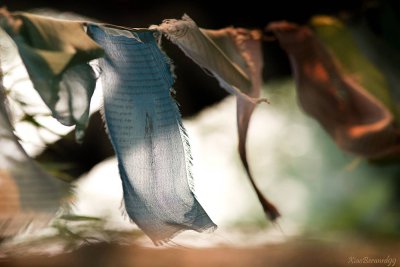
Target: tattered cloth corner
56, 55
145, 129
234, 57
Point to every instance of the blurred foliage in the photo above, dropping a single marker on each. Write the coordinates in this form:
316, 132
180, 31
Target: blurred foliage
69, 232
320, 189
346, 194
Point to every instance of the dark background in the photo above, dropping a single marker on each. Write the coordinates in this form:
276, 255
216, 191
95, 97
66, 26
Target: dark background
195, 89
208, 14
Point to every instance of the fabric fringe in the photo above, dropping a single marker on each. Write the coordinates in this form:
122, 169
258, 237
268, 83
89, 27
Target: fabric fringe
157, 187
203, 51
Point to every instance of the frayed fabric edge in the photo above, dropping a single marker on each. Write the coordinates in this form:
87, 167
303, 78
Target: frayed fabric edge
174, 29
163, 239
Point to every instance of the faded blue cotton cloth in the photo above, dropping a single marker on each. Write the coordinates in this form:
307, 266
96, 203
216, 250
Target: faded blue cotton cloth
144, 125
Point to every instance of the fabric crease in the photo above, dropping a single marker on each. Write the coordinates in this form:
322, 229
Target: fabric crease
144, 126
57, 64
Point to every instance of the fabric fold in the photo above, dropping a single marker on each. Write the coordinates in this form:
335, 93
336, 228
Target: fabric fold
244, 49
145, 129
56, 55
341, 41
234, 57
28, 195
203, 51
357, 121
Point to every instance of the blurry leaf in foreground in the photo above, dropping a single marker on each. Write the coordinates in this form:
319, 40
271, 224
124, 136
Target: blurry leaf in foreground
357, 121
72, 217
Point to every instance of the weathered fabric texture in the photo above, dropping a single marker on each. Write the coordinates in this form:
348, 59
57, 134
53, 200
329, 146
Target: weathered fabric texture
28, 195
234, 57
243, 48
353, 58
144, 126
357, 121
56, 55
202, 50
